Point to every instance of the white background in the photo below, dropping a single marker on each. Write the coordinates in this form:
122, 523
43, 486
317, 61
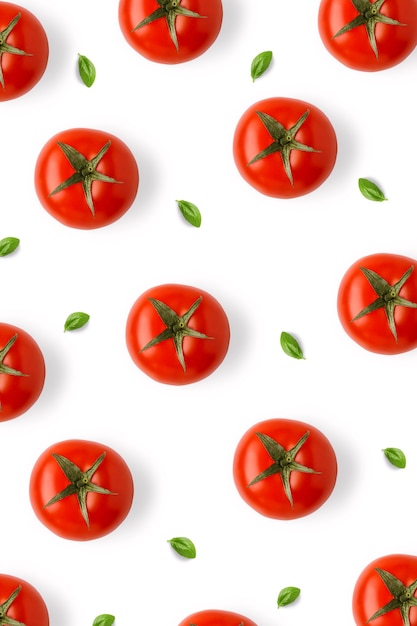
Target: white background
273, 264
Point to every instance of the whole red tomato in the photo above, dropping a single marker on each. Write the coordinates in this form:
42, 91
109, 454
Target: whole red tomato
80, 489
284, 469
284, 147
377, 303
368, 36
170, 31
20, 603
385, 592
177, 334
22, 371
216, 617
86, 178
24, 51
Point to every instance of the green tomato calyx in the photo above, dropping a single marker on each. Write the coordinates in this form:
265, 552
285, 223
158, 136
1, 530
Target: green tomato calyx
5, 369
7, 48
5, 606
403, 597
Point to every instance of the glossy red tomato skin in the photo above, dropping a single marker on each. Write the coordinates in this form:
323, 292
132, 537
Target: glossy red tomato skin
355, 293
106, 512
216, 617
22, 72
395, 43
309, 491
111, 200
202, 356
309, 169
19, 393
371, 594
195, 35
28, 607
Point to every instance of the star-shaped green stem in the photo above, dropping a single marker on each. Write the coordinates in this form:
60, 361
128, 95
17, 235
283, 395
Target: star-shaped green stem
80, 483
403, 597
283, 462
85, 172
6, 48
388, 297
369, 16
283, 140
5, 369
176, 327
4, 619
169, 10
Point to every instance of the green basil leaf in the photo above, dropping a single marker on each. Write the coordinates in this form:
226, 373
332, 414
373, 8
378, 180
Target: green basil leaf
260, 64
76, 320
190, 212
184, 547
87, 70
288, 595
370, 191
104, 620
395, 456
291, 346
8, 245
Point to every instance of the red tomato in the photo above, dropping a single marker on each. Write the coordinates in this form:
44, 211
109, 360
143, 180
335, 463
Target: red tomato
177, 334
172, 31
20, 603
284, 469
385, 592
81, 490
215, 617
377, 303
24, 51
86, 178
22, 371
284, 148
375, 36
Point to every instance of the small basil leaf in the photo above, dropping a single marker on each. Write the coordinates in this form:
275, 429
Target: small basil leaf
87, 70
370, 191
291, 346
184, 547
104, 620
76, 320
190, 212
288, 595
395, 456
8, 245
260, 64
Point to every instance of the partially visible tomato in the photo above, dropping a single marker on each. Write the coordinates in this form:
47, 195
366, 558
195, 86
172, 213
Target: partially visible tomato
368, 36
177, 334
86, 178
24, 51
22, 371
216, 617
80, 489
284, 469
170, 31
377, 303
20, 603
284, 147
385, 592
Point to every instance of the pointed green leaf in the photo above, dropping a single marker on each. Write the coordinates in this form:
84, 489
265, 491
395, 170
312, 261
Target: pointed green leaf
291, 346
76, 320
184, 547
8, 245
87, 70
395, 456
260, 64
288, 595
104, 620
190, 212
370, 191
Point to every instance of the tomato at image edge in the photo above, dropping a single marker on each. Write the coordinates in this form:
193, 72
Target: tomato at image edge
309, 490
28, 607
21, 72
111, 200
216, 617
105, 511
309, 169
